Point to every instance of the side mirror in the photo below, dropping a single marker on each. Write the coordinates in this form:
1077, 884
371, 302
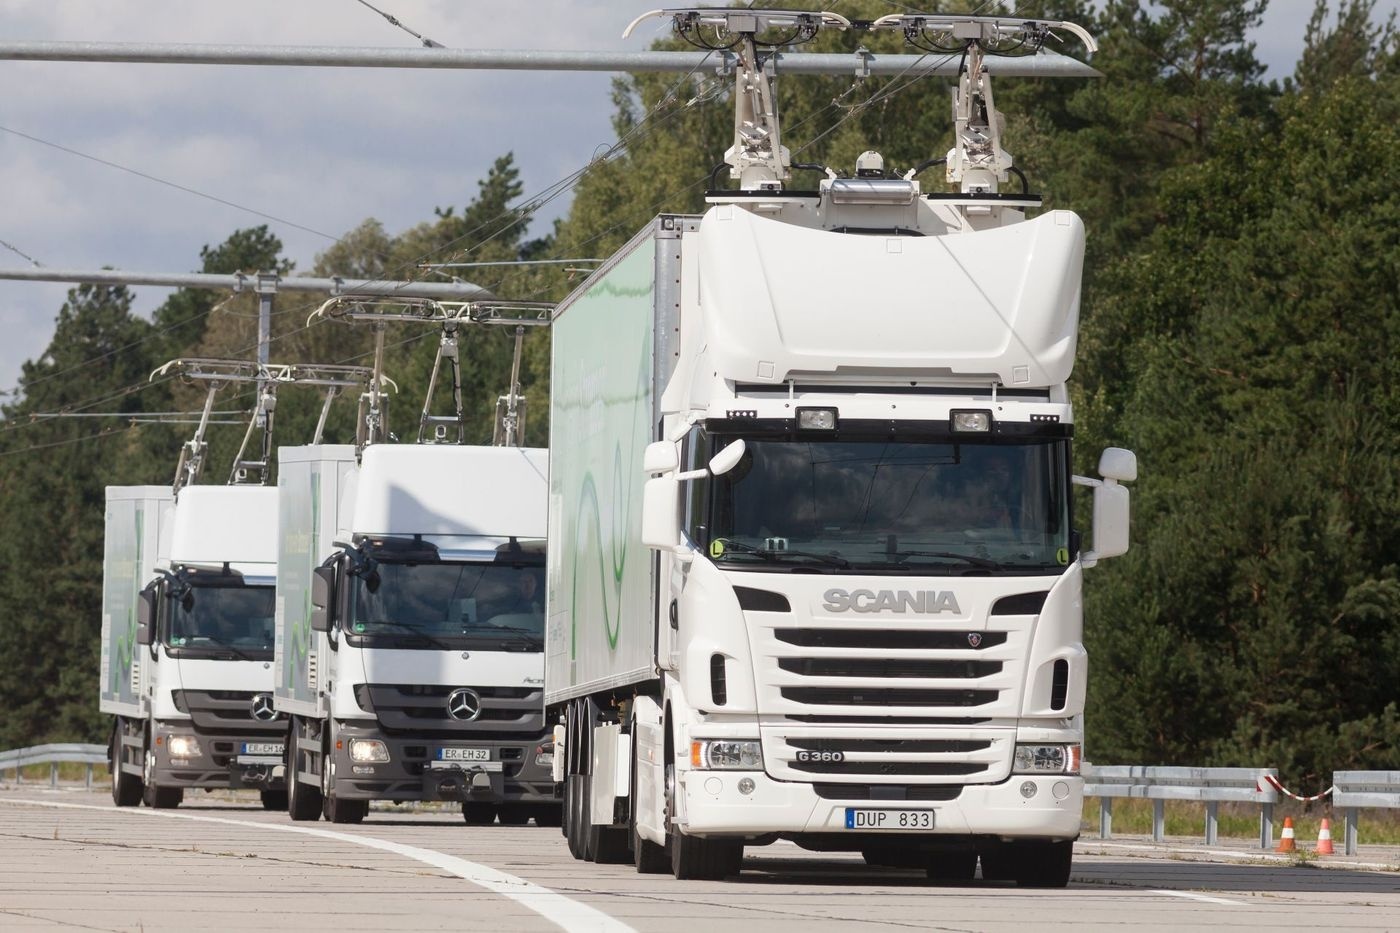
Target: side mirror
1111, 509
1118, 464
146, 617
728, 458
660, 507
1111, 504
322, 586
660, 457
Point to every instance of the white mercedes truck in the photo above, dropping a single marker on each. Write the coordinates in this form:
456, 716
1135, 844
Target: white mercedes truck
813, 573
190, 683
410, 611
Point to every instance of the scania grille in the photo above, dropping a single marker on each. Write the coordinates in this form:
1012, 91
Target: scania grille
880, 667
876, 696
225, 712
899, 640
901, 672
876, 757
506, 712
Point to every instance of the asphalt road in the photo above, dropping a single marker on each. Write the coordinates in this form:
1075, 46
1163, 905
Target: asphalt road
70, 860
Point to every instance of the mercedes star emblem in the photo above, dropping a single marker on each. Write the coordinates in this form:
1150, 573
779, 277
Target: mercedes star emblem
464, 704
263, 710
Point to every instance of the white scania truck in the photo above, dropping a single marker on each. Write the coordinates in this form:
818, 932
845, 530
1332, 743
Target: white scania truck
812, 573
410, 609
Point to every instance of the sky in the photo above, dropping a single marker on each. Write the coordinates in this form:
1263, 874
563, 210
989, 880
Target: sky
319, 148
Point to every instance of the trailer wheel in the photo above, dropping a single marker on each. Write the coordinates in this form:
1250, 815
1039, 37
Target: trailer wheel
126, 788
303, 800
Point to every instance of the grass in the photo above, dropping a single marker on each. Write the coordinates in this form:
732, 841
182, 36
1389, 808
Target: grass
67, 772
1241, 821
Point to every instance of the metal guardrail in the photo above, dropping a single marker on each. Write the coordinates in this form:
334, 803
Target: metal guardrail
53, 756
1160, 784
1353, 790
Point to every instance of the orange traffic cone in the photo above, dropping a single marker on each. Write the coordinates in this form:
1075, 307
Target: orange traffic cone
1324, 838
1285, 842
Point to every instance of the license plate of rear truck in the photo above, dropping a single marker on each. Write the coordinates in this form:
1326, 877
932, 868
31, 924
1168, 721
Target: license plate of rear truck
262, 748
869, 819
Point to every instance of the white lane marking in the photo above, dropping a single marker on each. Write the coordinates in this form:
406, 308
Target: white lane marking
1205, 898
564, 912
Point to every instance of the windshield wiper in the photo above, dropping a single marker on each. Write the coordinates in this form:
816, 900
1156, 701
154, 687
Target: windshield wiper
410, 631
223, 645
522, 636
776, 554
950, 555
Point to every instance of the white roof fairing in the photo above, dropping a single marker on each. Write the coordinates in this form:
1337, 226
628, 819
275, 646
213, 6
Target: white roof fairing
780, 300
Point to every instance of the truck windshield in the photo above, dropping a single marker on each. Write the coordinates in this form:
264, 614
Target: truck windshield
450, 605
223, 623
895, 506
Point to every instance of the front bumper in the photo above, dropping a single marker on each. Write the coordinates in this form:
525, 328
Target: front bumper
221, 762
711, 804
510, 776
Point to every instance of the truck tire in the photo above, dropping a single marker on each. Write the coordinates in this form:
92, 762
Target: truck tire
573, 826
476, 813
152, 794
333, 808
126, 788
273, 799
694, 857
700, 859
303, 800
648, 857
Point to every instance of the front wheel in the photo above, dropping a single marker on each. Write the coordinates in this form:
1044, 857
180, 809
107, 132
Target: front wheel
695, 857
153, 795
333, 808
303, 800
647, 857
126, 788
478, 814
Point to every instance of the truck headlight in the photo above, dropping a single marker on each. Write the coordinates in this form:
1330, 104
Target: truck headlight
1047, 759
183, 746
368, 750
544, 755
726, 754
